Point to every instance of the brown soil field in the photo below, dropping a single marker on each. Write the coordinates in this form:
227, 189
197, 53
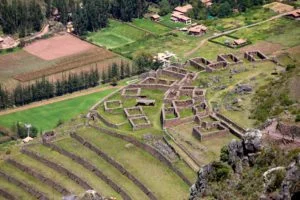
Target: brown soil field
57, 47
266, 47
90, 58
279, 7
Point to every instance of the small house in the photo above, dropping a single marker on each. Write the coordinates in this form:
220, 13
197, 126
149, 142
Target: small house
294, 14
197, 30
184, 9
239, 42
155, 17
179, 17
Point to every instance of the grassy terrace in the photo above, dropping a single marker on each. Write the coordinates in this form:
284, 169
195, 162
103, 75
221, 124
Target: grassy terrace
29, 180
150, 171
13, 189
95, 182
46, 117
116, 35
49, 173
78, 149
151, 26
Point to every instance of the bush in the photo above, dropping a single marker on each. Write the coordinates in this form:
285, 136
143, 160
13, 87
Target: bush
220, 171
21, 130
297, 118
224, 154
289, 67
59, 122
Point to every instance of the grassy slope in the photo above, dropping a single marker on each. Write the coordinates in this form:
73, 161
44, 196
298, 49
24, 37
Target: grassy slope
95, 182
78, 149
159, 178
46, 117
151, 26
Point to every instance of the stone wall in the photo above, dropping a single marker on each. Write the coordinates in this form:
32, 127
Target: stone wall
232, 126
58, 168
7, 195
249, 55
201, 136
91, 168
39, 176
155, 153
37, 194
117, 165
151, 86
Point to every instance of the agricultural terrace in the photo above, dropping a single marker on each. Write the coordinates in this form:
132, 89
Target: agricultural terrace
116, 35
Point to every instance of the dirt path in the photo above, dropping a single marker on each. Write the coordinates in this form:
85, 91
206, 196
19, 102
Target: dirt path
202, 42
56, 99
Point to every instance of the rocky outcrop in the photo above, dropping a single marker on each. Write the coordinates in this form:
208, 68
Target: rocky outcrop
238, 154
288, 130
290, 187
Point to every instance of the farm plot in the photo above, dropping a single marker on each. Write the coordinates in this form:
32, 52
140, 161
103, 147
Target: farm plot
166, 21
151, 26
96, 57
116, 35
57, 47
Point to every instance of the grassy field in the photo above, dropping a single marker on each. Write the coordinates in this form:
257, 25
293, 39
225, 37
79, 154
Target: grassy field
46, 117
276, 31
149, 170
116, 35
151, 26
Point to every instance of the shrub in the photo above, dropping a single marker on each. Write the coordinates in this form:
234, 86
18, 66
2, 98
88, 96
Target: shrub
8, 152
21, 130
220, 171
224, 154
297, 118
59, 122
289, 67
276, 181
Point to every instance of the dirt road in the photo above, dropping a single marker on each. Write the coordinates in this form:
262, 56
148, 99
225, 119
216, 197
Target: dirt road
57, 99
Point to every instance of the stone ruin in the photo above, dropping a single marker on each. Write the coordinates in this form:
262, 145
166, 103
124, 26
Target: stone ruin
48, 136
111, 106
208, 128
140, 122
255, 56
134, 112
131, 92
200, 63
230, 59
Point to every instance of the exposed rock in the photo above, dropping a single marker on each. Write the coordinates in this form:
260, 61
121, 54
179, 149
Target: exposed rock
243, 89
290, 187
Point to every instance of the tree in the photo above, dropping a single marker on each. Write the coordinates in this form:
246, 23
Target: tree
22, 130
225, 10
165, 7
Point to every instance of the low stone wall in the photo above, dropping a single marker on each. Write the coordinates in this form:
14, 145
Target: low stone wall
106, 122
39, 176
112, 109
155, 153
177, 121
37, 194
115, 164
91, 168
290, 130
173, 74
7, 195
183, 103
249, 55
58, 168
136, 126
216, 66
199, 63
201, 136
230, 59
232, 126
151, 86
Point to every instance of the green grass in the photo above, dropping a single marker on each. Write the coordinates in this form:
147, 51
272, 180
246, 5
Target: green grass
149, 170
46, 117
49, 173
15, 190
151, 26
166, 20
7, 51
116, 35
78, 149
95, 182
276, 31
186, 112
29, 180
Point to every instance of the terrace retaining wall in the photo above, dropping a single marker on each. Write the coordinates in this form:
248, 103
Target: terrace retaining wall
58, 168
37, 194
154, 152
114, 163
7, 195
151, 86
91, 168
39, 176
232, 126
